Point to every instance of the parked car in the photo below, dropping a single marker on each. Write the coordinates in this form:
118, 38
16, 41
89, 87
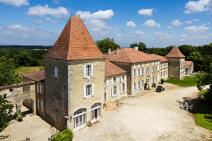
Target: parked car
159, 89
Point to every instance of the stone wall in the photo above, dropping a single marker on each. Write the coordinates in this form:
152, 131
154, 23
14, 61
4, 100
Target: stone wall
76, 83
176, 68
56, 93
110, 83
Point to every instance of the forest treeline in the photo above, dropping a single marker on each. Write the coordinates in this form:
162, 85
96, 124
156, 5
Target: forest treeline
12, 57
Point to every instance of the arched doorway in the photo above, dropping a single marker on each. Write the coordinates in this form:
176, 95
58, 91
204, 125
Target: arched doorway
28, 106
79, 119
95, 112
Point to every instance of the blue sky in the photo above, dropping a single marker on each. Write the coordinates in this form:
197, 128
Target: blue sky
156, 23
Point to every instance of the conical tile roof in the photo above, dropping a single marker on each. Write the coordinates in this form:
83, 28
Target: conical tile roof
175, 53
74, 43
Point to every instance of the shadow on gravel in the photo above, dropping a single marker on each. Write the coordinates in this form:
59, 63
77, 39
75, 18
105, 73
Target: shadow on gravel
189, 104
2, 137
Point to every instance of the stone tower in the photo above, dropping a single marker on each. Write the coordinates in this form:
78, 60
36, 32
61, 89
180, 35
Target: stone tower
65, 74
176, 62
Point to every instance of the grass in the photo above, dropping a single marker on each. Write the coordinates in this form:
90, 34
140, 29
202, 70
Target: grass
203, 117
24, 70
186, 82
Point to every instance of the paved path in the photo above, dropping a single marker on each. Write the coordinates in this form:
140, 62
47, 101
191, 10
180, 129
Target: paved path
148, 117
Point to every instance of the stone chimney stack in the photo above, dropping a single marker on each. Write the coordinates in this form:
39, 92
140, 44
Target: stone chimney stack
117, 50
109, 51
136, 48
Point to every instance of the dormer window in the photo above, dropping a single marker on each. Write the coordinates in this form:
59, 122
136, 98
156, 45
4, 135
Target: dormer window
55, 72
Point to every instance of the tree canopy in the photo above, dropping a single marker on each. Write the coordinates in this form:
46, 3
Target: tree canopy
7, 72
141, 46
107, 43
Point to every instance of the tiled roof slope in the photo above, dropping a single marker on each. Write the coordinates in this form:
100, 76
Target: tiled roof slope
129, 55
175, 53
74, 43
161, 58
35, 76
188, 63
112, 69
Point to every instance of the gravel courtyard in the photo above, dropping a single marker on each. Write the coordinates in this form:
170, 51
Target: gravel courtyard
149, 117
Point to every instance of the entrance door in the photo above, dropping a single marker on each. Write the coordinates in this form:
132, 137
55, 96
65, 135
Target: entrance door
95, 112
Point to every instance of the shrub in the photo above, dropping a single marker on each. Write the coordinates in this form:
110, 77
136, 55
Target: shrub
66, 135
207, 94
162, 81
153, 85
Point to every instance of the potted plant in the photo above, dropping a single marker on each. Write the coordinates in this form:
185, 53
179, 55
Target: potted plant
153, 85
162, 81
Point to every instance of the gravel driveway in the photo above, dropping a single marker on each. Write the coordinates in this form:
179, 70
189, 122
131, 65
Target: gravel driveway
148, 117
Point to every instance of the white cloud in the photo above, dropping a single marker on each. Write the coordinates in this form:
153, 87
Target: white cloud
139, 32
176, 22
96, 25
15, 2
197, 29
146, 12
191, 21
197, 6
152, 23
45, 10
38, 21
163, 35
22, 35
101, 14
130, 24
169, 27
183, 35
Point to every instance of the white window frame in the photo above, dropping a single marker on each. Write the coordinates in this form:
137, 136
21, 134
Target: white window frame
86, 73
55, 72
85, 91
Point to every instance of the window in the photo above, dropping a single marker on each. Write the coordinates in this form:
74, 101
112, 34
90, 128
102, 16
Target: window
161, 74
142, 71
55, 72
41, 105
114, 90
134, 72
88, 71
139, 84
39, 88
122, 87
88, 90
114, 79
139, 72
95, 111
134, 87
79, 118
122, 78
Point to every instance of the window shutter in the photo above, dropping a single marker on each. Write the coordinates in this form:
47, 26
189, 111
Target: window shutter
121, 78
84, 91
136, 72
92, 70
84, 71
125, 87
121, 88
112, 80
40, 88
112, 90
92, 90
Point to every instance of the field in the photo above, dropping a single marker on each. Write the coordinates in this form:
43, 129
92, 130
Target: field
24, 70
186, 82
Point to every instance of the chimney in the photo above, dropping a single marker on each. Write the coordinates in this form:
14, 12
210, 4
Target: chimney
109, 51
136, 48
117, 50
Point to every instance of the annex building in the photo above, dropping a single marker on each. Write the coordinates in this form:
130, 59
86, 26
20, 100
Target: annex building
79, 81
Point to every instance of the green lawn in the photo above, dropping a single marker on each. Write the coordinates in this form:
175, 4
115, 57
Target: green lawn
24, 70
203, 117
186, 82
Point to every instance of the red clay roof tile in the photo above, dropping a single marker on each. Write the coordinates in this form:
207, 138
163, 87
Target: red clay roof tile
161, 58
188, 63
74, 43
175, 53
129, 55
112, 69
35, 76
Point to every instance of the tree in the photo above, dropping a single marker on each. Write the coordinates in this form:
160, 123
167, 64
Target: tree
6, 113
7, 72
107, 43
141, 46
197, 59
